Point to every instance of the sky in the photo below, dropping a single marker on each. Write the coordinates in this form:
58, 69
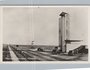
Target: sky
22, 25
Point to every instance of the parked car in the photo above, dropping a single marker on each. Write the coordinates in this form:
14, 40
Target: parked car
40, 49
71, 53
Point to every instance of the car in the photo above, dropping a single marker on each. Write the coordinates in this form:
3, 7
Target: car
40, 49
71, 53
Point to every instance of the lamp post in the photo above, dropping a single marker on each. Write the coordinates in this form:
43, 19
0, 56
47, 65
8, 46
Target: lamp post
32, 43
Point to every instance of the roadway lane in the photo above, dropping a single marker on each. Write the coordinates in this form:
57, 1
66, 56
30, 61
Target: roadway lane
41, 57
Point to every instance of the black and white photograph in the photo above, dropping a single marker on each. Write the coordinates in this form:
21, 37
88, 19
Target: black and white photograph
45, 33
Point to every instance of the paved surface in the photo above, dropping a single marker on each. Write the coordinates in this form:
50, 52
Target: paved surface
30, 55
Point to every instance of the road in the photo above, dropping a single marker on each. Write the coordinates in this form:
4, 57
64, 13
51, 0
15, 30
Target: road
19, 54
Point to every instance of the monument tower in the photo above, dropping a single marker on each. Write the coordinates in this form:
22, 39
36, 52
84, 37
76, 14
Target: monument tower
64, 30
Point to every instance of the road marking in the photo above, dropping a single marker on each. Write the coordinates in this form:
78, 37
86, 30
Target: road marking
13, 56
42, 56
